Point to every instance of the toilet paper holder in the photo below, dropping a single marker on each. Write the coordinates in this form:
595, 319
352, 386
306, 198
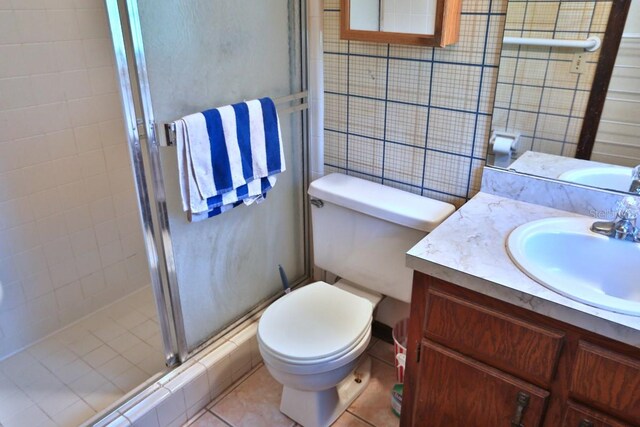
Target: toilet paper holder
507, 142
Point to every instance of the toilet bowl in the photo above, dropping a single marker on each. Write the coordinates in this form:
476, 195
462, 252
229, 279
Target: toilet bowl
313, 339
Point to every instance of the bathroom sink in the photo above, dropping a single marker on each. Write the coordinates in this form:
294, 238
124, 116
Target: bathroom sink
613, 178
566, 257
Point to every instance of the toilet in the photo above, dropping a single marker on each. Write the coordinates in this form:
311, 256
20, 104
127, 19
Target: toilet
312, 340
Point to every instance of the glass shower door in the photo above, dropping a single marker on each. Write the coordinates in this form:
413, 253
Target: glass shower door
203, 54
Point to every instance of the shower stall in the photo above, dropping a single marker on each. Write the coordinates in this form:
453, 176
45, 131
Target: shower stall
188, 58
103, 281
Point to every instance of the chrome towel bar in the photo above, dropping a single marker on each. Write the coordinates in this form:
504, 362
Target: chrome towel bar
170, 128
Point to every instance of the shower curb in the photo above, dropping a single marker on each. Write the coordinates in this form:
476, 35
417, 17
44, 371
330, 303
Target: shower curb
183, 392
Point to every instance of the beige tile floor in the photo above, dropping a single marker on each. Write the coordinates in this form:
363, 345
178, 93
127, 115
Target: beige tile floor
75, 373
254, 401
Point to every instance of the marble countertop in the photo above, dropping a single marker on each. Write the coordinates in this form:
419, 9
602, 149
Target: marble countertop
468, 249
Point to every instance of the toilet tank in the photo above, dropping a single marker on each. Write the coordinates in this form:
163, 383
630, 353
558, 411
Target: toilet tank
363, 230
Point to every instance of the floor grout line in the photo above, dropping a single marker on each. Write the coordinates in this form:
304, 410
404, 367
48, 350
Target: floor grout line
360, 418
379, 358
221, 420
232, 387
201, 414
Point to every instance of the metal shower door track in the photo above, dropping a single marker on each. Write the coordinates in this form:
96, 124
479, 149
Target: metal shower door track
157, 181
166, 318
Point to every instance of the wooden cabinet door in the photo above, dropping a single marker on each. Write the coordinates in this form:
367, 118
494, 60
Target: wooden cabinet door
608, 381
454, 390
506, 342
580, 416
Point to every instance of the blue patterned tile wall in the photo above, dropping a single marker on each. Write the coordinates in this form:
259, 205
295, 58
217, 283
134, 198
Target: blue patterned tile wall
414, 118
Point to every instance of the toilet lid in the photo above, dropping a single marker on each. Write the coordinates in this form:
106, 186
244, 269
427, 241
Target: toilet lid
313, 322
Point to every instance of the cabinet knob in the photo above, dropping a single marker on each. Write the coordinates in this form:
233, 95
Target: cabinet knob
585, 423
522, 401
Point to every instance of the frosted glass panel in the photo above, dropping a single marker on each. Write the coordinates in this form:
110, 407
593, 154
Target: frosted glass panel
204, 54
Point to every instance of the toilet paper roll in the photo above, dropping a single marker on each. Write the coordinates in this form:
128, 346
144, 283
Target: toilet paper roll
502, 145
502, 151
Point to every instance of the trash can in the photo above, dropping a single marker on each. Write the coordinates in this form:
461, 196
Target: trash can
400, 337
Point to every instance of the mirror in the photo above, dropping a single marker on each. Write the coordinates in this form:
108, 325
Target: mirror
413, 22
393, 16
547, 97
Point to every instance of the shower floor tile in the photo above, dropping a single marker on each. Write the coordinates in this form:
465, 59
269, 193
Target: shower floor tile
255, 400
78, 371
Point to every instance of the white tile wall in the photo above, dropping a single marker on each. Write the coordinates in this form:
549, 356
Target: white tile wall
415, 118
70, 241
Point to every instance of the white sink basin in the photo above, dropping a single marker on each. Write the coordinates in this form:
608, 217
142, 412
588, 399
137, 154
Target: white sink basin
564, 255
613, 178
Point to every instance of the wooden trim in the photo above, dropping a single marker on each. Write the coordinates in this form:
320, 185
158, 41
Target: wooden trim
447, 27
450, 32
602, 77
419, 295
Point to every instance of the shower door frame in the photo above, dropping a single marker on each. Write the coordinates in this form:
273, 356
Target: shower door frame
158, 240
150, 229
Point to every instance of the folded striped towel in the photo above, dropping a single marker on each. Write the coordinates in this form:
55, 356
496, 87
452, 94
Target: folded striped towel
228, 156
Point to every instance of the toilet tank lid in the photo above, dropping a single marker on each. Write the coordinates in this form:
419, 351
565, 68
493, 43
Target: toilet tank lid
380, 201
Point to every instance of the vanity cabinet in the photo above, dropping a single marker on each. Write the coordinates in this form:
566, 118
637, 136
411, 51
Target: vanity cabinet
473, 360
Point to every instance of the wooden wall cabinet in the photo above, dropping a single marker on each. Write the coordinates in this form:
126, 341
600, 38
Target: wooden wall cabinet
476, 361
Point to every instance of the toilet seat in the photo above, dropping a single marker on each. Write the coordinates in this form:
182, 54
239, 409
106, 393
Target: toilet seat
298, 362
315, 324
320, 366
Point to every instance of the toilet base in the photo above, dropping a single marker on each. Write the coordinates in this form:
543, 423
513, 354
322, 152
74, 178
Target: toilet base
322, 408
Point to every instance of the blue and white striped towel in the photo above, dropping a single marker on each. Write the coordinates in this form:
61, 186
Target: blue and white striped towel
228, 156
